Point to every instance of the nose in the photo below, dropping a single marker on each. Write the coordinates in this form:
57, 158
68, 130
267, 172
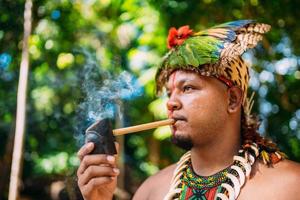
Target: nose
173, 103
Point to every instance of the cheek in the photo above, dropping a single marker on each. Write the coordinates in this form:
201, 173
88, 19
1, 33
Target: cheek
195, 108
205, 106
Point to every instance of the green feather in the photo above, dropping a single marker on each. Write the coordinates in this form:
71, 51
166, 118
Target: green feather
194, 51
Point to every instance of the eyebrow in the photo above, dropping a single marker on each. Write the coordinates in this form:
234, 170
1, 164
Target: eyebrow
181, 82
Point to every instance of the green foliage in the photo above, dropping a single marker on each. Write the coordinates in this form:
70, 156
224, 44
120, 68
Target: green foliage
58, 163
131, 35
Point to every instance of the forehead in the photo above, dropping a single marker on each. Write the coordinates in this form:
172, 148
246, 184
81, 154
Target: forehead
182, 76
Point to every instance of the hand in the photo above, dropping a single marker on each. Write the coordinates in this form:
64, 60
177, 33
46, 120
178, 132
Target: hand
97, 174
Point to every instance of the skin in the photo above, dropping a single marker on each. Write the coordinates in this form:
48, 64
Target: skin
208, 114
97, 174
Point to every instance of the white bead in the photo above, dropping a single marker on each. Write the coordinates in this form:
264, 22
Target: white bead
254, 144
255, 149
236, 184
240, 173
222, 196
251, 159
229, 189
168, 196
177, 179
239, 158
180, 167
278, 155
186, 155
175, 184
245, 164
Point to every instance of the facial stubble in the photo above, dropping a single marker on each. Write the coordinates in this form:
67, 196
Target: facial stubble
182, 142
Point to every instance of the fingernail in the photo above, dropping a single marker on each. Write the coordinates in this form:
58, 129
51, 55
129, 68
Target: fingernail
110, 158
89, 145
116, 170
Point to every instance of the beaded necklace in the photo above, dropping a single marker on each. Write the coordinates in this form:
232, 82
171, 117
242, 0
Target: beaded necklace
201, 187
224, 185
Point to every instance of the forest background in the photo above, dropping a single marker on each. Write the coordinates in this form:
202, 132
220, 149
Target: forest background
80, 47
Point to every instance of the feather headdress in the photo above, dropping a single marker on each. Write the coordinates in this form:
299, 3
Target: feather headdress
213, 52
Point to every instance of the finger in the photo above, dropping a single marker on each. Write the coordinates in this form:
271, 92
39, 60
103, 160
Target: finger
96, 171
96, 183
85, 150
97, 159
117, 147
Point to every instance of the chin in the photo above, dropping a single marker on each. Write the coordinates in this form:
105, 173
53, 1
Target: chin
182, 141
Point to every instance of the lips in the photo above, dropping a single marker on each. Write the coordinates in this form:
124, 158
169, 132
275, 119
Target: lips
178, 120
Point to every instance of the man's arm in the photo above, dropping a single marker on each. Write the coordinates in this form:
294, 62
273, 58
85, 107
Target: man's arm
290, 180
143, 192
156, 186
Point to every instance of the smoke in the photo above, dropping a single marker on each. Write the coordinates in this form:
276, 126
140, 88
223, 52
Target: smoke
103, 91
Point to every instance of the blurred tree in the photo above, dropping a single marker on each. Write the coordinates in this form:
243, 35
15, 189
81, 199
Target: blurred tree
129, 35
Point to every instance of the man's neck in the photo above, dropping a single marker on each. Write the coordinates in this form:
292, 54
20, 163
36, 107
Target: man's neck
212, 158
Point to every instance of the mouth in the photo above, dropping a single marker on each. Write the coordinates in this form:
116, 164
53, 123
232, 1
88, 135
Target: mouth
178, 118
178, 121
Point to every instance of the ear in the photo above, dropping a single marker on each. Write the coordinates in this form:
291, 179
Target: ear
235, 96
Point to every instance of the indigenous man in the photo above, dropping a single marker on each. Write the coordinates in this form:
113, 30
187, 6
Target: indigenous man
206, 80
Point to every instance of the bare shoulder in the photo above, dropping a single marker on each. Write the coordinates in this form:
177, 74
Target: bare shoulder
280, 181
156, 186
287, 170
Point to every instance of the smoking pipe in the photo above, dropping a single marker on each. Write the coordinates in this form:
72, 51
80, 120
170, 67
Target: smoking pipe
102, 135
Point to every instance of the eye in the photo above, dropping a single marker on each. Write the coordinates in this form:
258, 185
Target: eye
168, 94
187, 88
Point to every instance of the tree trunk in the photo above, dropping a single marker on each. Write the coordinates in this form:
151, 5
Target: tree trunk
21, 108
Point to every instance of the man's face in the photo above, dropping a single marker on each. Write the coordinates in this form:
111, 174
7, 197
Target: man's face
199, 106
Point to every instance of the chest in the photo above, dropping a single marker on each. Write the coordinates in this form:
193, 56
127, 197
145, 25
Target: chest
250, 191
199, 187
